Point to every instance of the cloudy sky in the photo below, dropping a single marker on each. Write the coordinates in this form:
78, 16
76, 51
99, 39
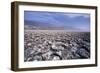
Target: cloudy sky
77, 21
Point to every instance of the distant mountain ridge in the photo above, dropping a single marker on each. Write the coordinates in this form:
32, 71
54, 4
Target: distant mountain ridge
44, 26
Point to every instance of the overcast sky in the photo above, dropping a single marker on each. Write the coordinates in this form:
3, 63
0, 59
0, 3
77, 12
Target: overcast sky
78, 21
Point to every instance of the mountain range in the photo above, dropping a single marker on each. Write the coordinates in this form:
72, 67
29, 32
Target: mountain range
45, 26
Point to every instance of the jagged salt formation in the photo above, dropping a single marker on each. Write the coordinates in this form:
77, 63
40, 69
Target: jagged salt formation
49, 45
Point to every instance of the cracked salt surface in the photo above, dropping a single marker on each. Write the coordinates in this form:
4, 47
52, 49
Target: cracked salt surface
56, 45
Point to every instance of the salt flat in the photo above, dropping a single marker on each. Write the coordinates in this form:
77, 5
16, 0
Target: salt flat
44, 45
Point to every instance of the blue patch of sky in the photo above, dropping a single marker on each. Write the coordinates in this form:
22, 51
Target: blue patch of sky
79, 21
